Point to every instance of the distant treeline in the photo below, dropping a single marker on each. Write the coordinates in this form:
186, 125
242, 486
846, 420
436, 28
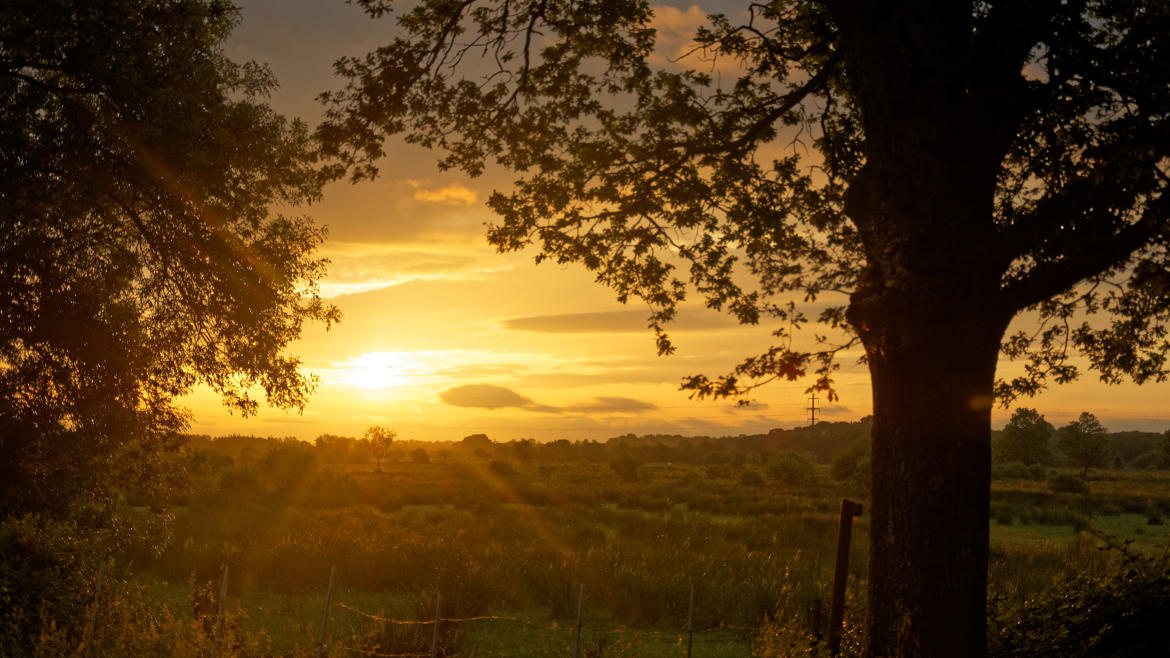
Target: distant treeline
824, 443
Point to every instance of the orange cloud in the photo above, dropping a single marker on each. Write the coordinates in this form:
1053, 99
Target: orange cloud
453, 194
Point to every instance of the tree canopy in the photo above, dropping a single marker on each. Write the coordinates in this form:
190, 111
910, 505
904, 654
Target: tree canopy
912, 175
1026, 438
139, 254
1084, 442
144, 246
728, 169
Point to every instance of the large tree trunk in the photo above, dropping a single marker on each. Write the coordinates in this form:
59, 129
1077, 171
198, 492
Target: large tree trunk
932, 359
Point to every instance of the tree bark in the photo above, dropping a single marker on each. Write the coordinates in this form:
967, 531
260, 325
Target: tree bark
932, 358
929, 311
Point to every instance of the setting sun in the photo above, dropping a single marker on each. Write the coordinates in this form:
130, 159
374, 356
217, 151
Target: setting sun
377, 370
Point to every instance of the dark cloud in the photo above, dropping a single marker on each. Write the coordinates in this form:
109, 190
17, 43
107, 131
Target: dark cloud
612, 405
484, 396
490, 396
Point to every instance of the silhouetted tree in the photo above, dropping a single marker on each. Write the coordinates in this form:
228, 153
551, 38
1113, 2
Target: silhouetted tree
139, 255
381, 441
524, 449
335, 449
1163, 459
626, 467
1026, 437
477, 442
925, 171
1084, 442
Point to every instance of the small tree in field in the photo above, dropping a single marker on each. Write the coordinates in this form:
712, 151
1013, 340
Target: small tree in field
1025, 438
381, 439
1084, 442
626, 467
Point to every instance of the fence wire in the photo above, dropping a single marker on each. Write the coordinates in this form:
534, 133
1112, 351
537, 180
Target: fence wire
551, 626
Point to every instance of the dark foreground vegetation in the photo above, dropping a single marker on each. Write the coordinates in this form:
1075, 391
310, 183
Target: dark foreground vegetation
517, 531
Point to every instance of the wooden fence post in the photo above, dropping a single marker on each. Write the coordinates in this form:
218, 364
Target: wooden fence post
325, 614
815, 624
849, 509
690, 619
92, 621
435, 634
577, 633
219, 612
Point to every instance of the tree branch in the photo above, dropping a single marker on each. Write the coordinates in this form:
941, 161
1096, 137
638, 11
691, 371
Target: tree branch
1046, 280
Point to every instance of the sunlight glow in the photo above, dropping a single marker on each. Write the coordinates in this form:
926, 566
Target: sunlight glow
378, 370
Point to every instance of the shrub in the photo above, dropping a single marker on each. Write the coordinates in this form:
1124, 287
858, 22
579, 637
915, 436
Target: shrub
501, 468
1067, 483
1002, 515
844, 466
852, 466
793, 470
1119, 615
420, 456
1019, 471
626, 467
751, 479
719, 472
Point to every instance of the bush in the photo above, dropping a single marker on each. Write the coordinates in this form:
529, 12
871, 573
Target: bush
793, 470
844, 466
1019, 471
719, 472
1120, 615
420, 456
751, 479
852, 466
626, 467
502, 468
1067, 483
1002, 515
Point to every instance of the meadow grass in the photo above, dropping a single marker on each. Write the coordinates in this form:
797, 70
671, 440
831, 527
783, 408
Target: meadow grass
518, 543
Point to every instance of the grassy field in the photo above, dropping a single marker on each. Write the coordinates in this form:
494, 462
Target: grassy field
510, 545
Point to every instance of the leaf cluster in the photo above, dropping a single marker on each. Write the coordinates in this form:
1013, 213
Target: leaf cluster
757, 168
658, 179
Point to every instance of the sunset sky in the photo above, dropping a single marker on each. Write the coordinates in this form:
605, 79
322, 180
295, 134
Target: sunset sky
442, 337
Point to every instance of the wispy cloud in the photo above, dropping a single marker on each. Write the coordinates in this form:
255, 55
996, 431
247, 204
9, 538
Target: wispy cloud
364, 267
676, 45
616, 322
453, 194
836, 410
606, 404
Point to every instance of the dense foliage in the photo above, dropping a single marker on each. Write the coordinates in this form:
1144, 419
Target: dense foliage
140, 255
1084, 442
1119, 615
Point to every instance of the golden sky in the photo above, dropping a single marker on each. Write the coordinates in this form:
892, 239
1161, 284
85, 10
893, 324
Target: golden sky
442, 337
